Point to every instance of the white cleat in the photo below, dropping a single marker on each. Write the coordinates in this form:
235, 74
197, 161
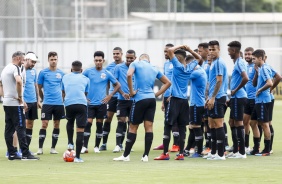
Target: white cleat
209, 155
53, 151
231, 155
212, 157
239, 155
145, 159
70, 147
78, 160
122, 158
117, 149
84, 150
248, 150
271, 152
217, 157
96, 150
39, 152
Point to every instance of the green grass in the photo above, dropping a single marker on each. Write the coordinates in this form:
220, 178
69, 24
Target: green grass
100, 168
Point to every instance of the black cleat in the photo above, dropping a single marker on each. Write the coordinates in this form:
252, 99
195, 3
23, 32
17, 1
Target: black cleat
14, 157
30, 157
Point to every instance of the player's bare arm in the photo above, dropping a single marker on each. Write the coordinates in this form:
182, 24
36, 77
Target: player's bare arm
267, 85
242, 84
166, 84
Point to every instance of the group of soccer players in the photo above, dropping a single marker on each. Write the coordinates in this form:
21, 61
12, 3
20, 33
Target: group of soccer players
126, 88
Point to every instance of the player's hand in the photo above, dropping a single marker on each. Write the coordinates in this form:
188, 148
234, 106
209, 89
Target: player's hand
206, 103
20, 99
39, 105
163, 107
25, 107
168, 99
126, 96
233, 92
211, 103
106, 99
186, 47
132, 94
258, 92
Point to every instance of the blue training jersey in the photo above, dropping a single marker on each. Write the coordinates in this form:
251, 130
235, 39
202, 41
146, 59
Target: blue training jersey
75, 85
30, 90
206, 67
198, 87
145, 75
168, 68
51, 82
250, 89
273, 73
181, 76
236, 78
121, 75
263, 75
98, 84
218, 68
111, 68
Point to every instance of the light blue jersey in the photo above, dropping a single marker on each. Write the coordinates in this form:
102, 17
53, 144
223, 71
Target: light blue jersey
263, 75
111, 68
30, 90
144, 76
168, 68
98, 84
75, 86
273, 73
181, 76
218, 68
206, 67
51, 82
198, 87
250, 89
236, 78
120, 74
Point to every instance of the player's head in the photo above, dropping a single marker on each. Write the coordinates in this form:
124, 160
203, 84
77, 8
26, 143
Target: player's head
248, 54
189, 58
53, 59
167, 46
196, 50
130, 57
258, 57
18, 58
76, 66
145, 57
30, 60
99, 59
117, 54
203, 50
181, 55
214, 49
234, 48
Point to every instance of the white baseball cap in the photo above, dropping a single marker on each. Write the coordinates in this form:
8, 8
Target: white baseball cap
31, 56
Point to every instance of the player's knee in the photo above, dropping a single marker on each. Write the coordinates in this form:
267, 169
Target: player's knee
29, 124
44, 124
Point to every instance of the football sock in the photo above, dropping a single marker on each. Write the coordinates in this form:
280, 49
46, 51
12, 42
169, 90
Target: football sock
148, 142
87, 133
226, 134
213, 141
106, 131
260, 132
28, 136
256, 143
175, 133
220, 135
241, 140
234, 139
272, 136
99, 133
42, 135
247, 140
199, 139
70, 131
78, 143
266, 146
119, 132
55, 137
182, 136
166, 138
131, 137
191, 139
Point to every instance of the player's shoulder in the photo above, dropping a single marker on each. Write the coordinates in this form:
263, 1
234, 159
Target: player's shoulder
111, 65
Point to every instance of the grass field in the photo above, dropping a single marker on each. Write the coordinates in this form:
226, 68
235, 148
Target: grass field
100, 168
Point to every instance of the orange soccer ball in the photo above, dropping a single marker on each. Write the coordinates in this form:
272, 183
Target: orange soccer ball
69, 155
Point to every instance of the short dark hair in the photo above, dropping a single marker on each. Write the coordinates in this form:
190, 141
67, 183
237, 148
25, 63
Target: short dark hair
259, 53
205, 45
169, 45
99, 53
235, 44
196, 50
189, 57
249, 49
213, 43
118, 48
180, 52
130, 51
18, 53
52, 54
76, 64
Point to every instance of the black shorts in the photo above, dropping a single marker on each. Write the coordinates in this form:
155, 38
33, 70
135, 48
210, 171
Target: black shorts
77, 112
31, 113
97, 111
143, 110
249, 107
196, 114
57, 111
112, 104
237, 108
218, 109
123, 108
14, 115
177, 112
206, 114
271, 110
261, 112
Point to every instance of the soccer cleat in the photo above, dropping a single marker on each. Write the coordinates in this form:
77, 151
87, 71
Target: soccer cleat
19, 153
229, 148
217, 157
192, 151
78, 160
39, 152
103, 148
122, 158
186, 153
253, 152
30, 157
70, 147
206, 151
84, 150
231, 155
247, 150
179, 157
14, 157
163, 157
160, 147
239, 155
271, 152
53, 151
174, 148
196, 155
7, 154
208, 156
145, 159
96, 150
117, 149
262, 154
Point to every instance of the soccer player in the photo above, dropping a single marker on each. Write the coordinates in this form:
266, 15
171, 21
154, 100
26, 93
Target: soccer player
178, 106
251, 94
168, 67
50, 90
112, 104
216, 101
31, 94
144, 105
124, 101
238, 100
11, 88
75, 87
97, 108
262, 81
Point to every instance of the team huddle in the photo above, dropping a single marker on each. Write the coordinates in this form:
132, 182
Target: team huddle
125, 88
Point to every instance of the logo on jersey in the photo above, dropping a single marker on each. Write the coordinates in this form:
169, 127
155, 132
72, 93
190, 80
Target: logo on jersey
32, 72
103, 75
250, 69
211, 66
170, 66
58, 76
